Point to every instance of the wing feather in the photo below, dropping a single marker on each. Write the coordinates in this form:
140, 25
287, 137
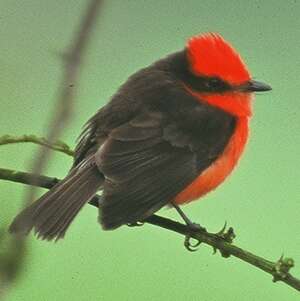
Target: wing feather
143, 171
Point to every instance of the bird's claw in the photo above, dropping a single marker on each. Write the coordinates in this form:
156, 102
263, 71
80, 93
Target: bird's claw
193, 227
227, 236
189, 246
222, 231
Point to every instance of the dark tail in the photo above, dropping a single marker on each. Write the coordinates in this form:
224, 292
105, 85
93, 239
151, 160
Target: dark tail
51, 215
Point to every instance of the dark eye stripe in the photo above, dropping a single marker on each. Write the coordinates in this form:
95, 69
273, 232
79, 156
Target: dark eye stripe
180, 68
218, 85
206, 84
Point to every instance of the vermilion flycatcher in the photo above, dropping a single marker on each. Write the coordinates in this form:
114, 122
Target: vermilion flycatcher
172, 133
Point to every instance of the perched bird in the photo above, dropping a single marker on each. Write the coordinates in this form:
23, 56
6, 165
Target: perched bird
173, 132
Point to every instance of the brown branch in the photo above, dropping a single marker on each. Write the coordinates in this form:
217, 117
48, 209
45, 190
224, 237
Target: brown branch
11, 260
220, 241
57, 145
64, 104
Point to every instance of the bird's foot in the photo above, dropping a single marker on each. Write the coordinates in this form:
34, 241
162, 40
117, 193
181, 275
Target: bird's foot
193, 227
227, 236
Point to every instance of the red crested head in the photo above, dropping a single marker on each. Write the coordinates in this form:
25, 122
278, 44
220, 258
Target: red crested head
210, 55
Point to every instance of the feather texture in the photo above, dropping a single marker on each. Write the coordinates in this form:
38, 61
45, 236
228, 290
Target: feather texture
51, 215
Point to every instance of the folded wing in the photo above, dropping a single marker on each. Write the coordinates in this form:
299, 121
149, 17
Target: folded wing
143, 170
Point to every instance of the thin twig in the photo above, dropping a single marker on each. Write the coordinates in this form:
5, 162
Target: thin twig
279, 269
57, 145
64, 104
63, 111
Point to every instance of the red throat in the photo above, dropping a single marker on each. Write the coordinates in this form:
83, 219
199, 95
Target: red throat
210, 55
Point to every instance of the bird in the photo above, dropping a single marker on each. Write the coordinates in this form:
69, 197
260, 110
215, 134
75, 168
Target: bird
173, 132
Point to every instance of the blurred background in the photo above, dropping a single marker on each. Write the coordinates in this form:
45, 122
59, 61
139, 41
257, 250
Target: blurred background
260, 200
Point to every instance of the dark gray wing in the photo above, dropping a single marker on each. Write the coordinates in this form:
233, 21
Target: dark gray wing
144, 169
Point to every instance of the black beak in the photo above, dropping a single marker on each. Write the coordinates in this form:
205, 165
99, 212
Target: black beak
255, 86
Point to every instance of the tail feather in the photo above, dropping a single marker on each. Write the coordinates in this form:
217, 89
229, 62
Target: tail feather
53, 224
52, 214
48, 212
57, 227
70, 214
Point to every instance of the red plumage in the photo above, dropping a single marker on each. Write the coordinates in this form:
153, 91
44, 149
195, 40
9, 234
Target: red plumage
210, 55
218, 171
173, 132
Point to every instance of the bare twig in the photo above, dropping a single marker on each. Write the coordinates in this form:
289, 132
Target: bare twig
64, 108
221, 241
64, 104
57, 145
279, 269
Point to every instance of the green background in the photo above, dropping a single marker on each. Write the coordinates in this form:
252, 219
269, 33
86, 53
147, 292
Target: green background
261, 198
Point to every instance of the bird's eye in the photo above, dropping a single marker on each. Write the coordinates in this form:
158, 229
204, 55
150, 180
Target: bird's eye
215, 83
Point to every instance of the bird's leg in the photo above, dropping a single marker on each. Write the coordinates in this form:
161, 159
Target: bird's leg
192, 226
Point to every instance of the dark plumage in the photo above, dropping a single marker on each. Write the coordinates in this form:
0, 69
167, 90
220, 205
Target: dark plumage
152, 140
